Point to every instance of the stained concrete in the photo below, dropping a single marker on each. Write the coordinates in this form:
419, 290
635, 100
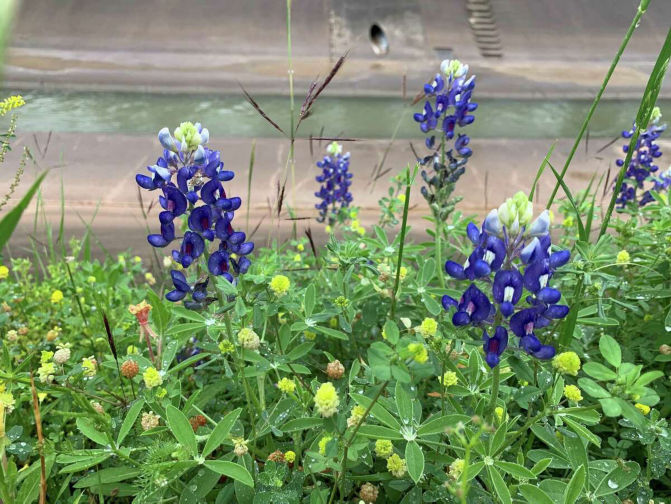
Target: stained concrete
98, 178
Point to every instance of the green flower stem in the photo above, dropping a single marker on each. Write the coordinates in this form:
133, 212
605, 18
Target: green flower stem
339, 482
406, 205
496, 380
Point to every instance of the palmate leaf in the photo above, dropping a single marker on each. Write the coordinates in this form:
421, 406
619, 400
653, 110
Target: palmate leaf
10, 221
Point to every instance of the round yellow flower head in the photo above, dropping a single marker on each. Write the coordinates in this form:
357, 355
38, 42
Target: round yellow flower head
46, 356
500, 414
322, 444
328, 229
572, 393
428, 327
567, 222
161, 392
280, 284
297, 258
356, 415
89, 366
326, 400
7, 401
91, 279
448, 379
4, 272
248, 339
290, 456
56, 296
623, 257
11, 103
300, 247
401, 198
152, 378
643, 408
384, 448
457, 468
418, 352
396, 466
149, 278
567, 363
226, 347
286, 385
46, 371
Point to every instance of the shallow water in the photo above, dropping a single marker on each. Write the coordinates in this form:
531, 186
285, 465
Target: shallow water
233, 116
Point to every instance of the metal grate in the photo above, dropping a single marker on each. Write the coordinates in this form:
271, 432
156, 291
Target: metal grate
483, 25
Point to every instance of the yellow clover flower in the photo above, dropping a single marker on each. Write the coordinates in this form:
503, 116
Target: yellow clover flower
326, 400
572, 393
643, 408
280, 284
4, 272
622, 257
384, 448
286, 385
448, 379
89, 366
396, 466
428, 327
567, 363
152, 378
56, 296
11, 103
290, 456
418, 352
322, 444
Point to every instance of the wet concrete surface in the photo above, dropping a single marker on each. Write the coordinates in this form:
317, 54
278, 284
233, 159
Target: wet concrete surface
97, 172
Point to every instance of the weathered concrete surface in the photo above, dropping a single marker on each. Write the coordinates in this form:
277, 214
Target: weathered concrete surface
100, 169
550, 48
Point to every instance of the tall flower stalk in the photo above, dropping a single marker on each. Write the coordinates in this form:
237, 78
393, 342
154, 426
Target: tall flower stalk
335, 179
447, 109
190, 177
512, 260
642, 171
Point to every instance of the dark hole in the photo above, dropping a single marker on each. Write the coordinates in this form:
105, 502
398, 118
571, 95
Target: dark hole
378, 40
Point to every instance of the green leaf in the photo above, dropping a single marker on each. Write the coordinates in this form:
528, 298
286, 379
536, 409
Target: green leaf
618, 479
220, 432
582, 431
403, 403
379, 432
498, 438
534, 495
181, 428
87, 428
428, 270
499, 485
232, 470
517, 471
109, 475
299, 424
129, 421
599, 371
575, 486
592, 388
414, 458
391, 332
331, 332
647, 378
610, 349
310, 299
610, 407
377, 411
541, 466
438, 425
9, 222
85, 463
431, 305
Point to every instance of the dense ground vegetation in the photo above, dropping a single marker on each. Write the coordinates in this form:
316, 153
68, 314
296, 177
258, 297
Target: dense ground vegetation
518, 358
